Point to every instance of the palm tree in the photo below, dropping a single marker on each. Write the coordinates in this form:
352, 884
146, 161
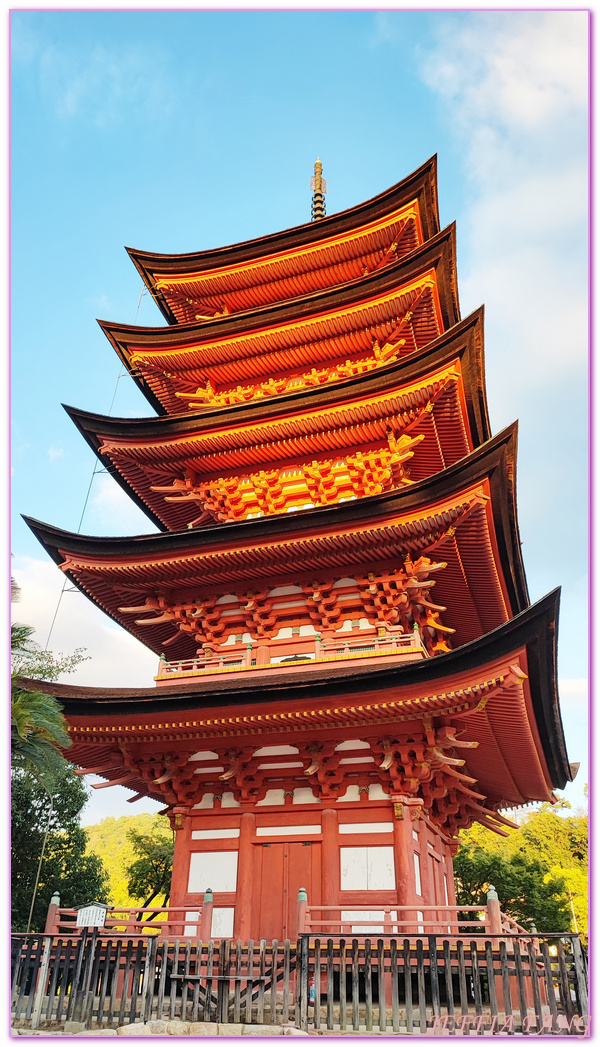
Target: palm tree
38, 728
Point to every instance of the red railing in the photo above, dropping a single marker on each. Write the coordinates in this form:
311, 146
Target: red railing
249, 657
175, 921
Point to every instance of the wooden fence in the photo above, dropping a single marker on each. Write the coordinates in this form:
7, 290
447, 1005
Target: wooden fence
490, 984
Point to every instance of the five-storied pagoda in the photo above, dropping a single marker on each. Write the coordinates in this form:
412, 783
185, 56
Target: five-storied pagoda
350, 670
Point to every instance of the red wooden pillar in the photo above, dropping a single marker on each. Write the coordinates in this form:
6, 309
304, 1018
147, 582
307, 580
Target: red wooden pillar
243, 900
206, 916
330, 871
404, 861
52, 915
181, 858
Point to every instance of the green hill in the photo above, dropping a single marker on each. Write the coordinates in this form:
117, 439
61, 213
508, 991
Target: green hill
109, 840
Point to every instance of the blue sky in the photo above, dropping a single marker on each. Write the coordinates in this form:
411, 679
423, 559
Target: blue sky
178, 131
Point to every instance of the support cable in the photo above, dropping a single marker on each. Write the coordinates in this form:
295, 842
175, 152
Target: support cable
97, 469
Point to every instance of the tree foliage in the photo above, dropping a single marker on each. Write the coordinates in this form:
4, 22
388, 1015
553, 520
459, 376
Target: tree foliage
66, 868
37, 725
111, 839
149, 876
549, 851
28, 659
524, 890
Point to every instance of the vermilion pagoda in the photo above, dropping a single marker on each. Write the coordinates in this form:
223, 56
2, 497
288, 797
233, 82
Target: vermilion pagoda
350, 671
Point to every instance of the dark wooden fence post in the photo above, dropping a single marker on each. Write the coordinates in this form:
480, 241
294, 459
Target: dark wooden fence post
302, 984
74, 1002
580, 976
436, 1005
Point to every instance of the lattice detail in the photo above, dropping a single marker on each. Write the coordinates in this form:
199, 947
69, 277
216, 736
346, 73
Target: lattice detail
322, 482
324, 773
415, 328
395, 601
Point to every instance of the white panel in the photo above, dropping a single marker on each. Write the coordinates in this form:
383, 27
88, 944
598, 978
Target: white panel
362, 928
206, 801
215, 834
364, 623
376, 792
380, 869
273, 796
353, 868
277, 750
228, 598
446, 888
415, 835
274, 766
304, 795
289, 830
191, 930
358, 759
214, 869
205, 755
229, 800
417, 873
351, 745
367, 827
350, 796
285, 633
345, 583
208, 770
420, 928
222, 923
307, 630
284, 590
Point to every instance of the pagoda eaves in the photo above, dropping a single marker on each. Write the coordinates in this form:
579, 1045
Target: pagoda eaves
498, 691
340, 332
464, 516
298, 261
395, 425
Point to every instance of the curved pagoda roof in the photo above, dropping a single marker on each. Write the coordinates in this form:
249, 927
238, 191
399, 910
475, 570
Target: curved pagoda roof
435, 396
464, 516
298, 261
498, 690
392, 312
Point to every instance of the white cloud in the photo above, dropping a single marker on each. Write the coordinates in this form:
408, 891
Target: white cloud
116, 658
573, 694
54, 453
518, 69
112, 512
104, 85
514, 86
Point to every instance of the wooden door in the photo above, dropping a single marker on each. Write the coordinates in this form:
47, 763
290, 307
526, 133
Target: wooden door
280, 869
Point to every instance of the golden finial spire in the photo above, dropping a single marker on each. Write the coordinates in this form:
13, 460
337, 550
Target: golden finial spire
319, 188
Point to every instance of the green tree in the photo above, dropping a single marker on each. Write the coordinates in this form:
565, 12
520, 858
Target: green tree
55, 808
149, 876
37, 725
28, 659
556, 841
525, 891
109, 839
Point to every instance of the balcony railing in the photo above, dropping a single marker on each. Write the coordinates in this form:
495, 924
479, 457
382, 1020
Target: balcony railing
263, 655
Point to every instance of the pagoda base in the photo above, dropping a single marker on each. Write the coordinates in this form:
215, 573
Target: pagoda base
361, 849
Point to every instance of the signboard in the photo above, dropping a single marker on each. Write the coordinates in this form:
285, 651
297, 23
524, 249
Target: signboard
93, 915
